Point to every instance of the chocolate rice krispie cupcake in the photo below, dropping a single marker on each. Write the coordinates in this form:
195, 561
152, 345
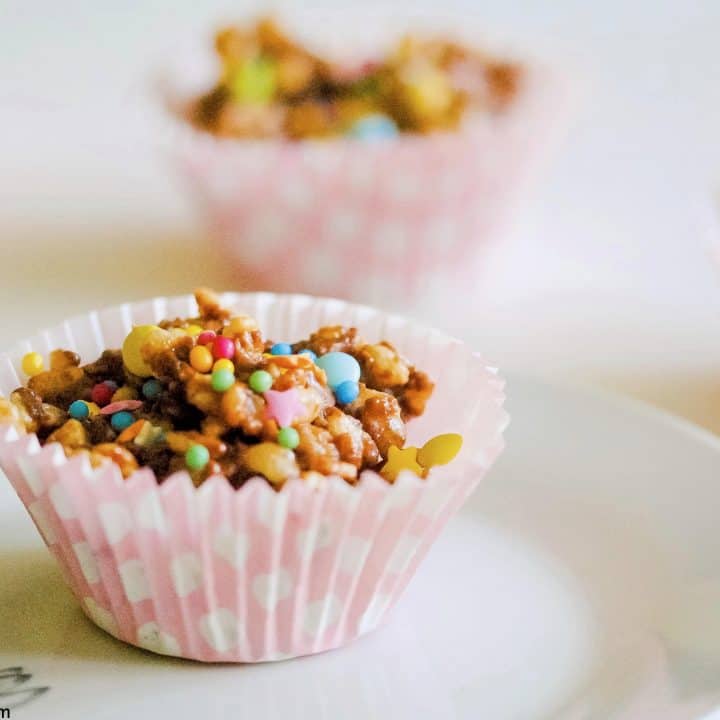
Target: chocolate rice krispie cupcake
401, 163
216, 493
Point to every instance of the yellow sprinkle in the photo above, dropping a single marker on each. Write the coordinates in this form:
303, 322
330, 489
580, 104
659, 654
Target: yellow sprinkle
201, 359
93, 409
32, 363
193, 330
439, 450
400, 459
125, 393
132, 349
224, 364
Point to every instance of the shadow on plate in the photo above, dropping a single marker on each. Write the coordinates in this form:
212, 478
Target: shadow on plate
39, 616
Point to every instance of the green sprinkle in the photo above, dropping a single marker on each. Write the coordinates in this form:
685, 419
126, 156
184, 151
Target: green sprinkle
222, 380
197, 457
255, 81
288, 437
260, 381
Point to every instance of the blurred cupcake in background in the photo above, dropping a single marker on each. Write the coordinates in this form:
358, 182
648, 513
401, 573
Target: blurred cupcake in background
380, 180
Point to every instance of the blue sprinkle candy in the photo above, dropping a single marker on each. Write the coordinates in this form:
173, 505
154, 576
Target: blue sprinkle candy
373, 127
309, 353
339, 367
281, 349
151, 388
121, 420
346, 392
78, 410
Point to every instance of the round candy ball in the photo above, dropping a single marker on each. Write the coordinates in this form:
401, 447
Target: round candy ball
223, 347
125, 393
346, 392
151, 388
102, 393
201, 359
193, 330
309, 353
339, 367
222, 380
32, 363
197, 457
121, 420
224, 364
78, 410
260, 381
206, 337
288, 437
132, 346
281, 349
373, 127
254, 81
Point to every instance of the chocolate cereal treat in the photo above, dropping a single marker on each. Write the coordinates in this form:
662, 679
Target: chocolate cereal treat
271, 86
211, 395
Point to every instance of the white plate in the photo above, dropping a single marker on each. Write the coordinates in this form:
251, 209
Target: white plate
581, 582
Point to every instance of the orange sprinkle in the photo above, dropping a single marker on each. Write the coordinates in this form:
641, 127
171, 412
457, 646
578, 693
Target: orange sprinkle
131, 432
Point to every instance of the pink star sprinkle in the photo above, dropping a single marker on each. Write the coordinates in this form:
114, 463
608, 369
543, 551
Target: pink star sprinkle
284, 406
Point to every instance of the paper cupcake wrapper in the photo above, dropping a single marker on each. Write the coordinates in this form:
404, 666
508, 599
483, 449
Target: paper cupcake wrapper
372, 222
249, 575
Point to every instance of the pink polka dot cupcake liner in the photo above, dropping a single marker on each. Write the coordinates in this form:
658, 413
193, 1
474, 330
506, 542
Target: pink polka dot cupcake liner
390, 222
251, 574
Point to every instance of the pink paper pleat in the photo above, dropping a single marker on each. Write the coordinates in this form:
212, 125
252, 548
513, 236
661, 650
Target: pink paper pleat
390, 222
249, 575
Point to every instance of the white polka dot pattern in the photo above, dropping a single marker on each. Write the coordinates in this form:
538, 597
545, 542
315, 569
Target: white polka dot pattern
87, 563
134, 580
186, 571
216, 574
275, 209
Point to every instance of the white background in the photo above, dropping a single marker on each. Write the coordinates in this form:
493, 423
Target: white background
608, 276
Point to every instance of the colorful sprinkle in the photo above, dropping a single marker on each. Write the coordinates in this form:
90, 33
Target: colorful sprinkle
131, 432
197, 457
102, 393
223, 347
288, 437
400, 459
373, 127
78, 410
346, 392
125, 393
121, 405
201, 359
224, 364
440, 450
284, 406
93, 408
149, 434
260, 381
254, 81
281, 349
32, 363
151, 388
132, 347
122, 420
222, 380
309, 353
206, 337
339, 367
